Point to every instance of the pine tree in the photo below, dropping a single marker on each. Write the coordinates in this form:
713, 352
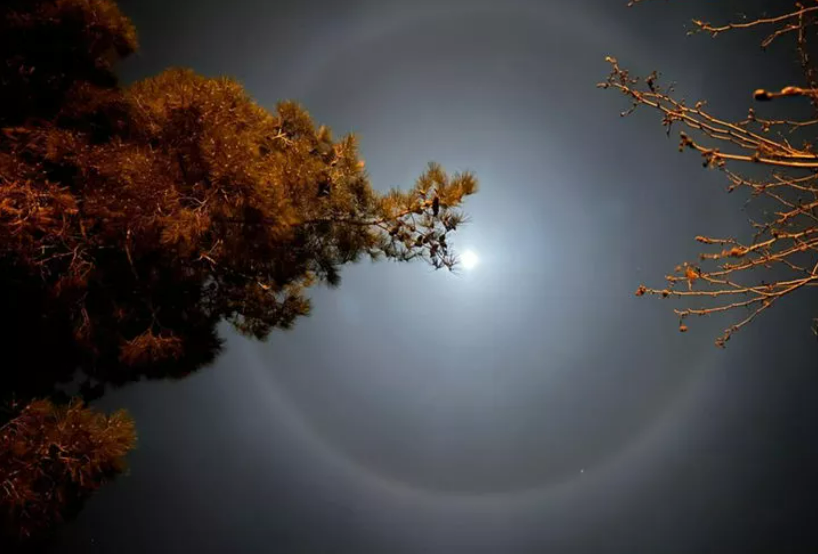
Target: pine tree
177, 201
52, 458
133, 220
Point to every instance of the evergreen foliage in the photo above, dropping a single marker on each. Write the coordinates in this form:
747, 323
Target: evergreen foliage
133, 220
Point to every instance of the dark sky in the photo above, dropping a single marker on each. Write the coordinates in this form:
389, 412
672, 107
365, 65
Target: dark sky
529, 405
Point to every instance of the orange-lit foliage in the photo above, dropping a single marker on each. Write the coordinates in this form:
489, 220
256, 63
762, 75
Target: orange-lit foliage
134, 220
786, 242
52, 458
152, 212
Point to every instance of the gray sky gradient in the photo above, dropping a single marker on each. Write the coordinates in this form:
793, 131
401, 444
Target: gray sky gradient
531, 405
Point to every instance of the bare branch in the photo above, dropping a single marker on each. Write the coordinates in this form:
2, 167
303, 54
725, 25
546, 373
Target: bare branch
786, 241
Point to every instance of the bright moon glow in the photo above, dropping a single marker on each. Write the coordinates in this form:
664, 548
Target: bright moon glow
469, 259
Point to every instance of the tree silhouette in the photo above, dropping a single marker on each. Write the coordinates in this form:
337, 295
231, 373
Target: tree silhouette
133, 220
782, 151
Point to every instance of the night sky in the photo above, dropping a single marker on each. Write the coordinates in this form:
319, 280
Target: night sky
531, 404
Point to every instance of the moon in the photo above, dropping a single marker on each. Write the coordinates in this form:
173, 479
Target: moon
469, 259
